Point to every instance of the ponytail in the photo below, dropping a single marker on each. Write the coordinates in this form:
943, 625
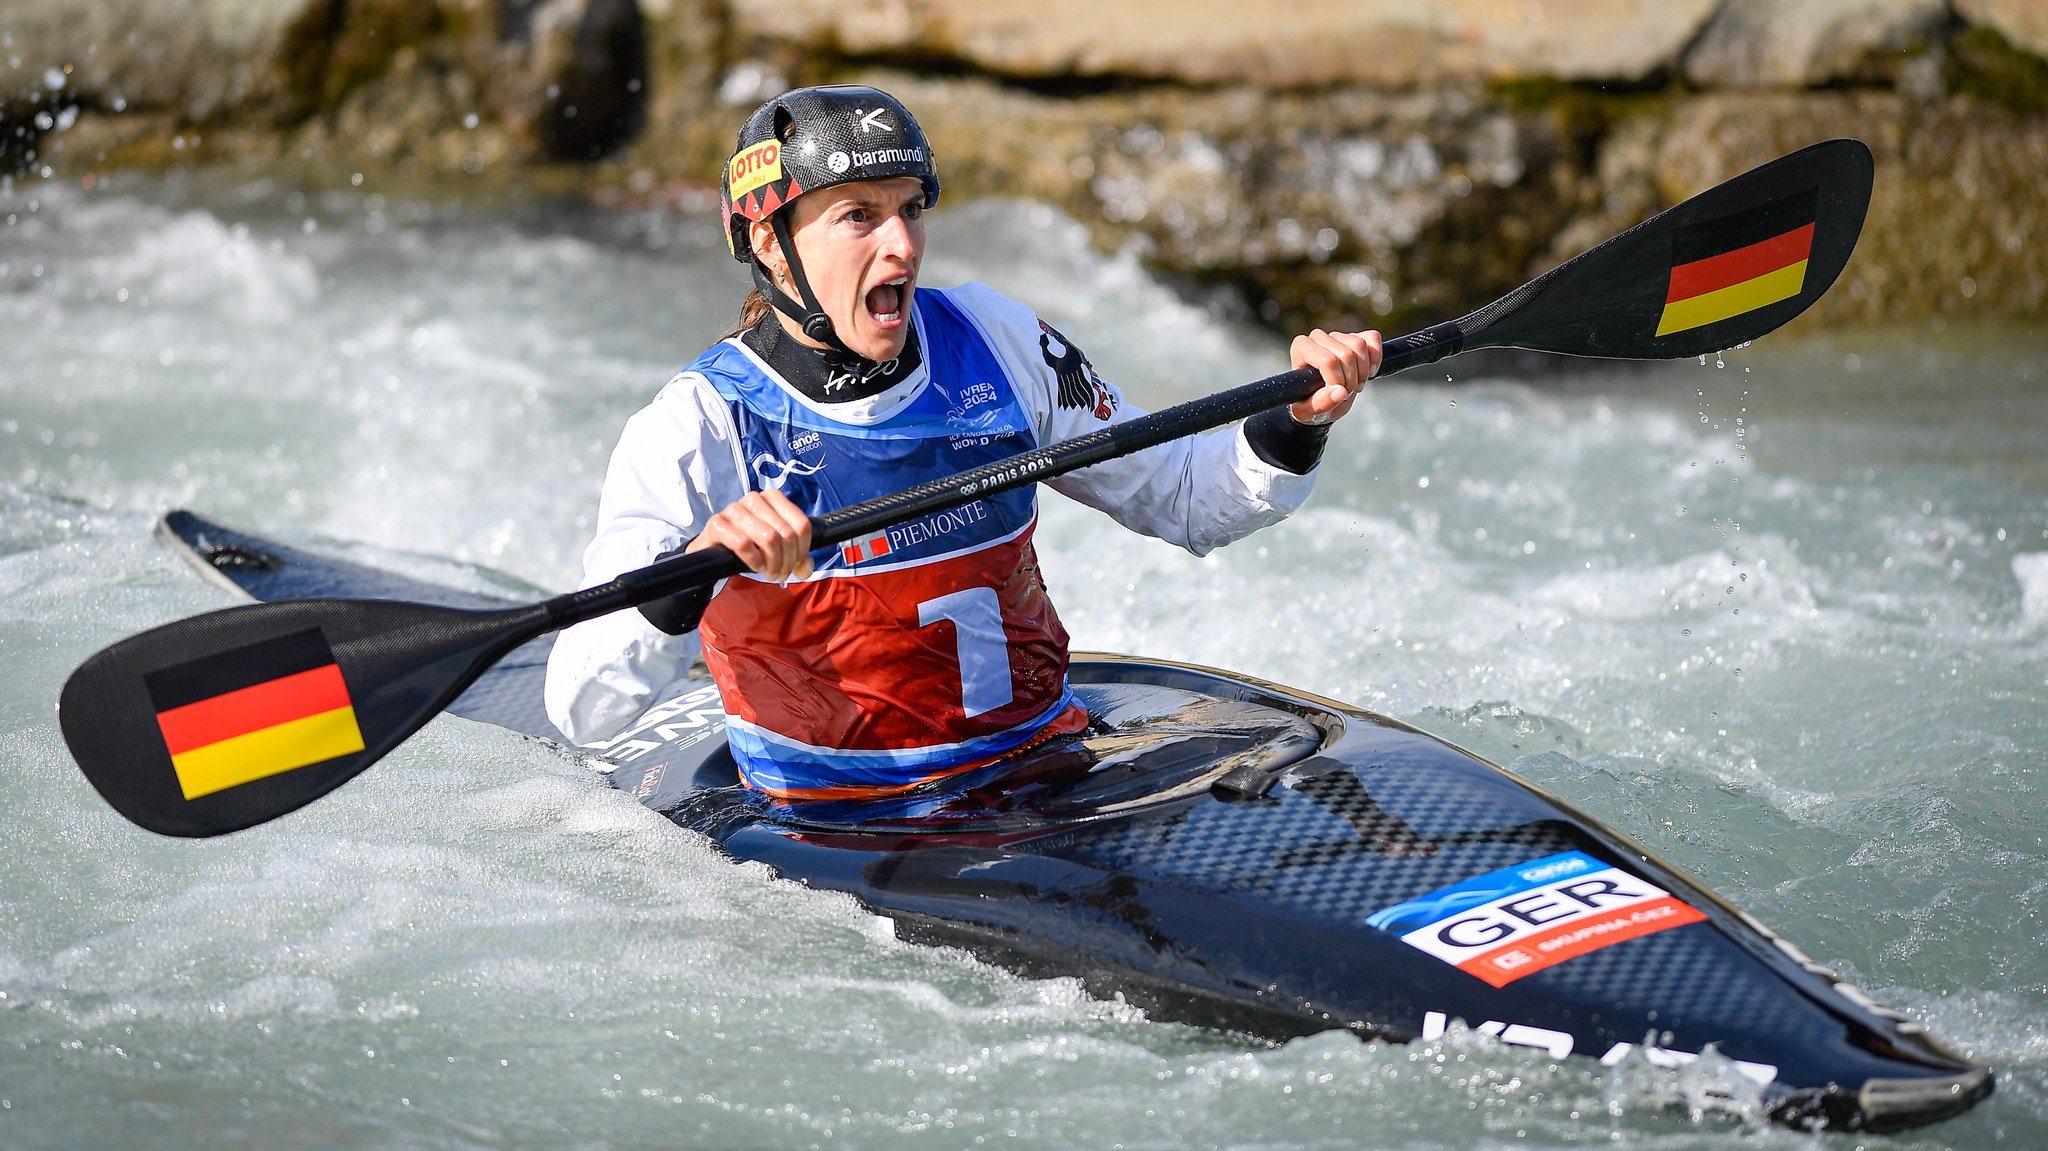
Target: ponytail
753, 310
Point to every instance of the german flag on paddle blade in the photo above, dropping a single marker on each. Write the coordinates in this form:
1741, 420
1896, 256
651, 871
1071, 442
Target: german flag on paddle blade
254, 712
1724, 268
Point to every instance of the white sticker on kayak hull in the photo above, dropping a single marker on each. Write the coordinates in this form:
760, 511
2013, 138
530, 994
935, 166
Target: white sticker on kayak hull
1514, 922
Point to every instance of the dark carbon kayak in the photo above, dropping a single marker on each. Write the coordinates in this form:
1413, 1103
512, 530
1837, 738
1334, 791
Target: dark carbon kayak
1241, 855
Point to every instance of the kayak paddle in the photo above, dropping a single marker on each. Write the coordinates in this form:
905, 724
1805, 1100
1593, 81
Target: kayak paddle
229, 719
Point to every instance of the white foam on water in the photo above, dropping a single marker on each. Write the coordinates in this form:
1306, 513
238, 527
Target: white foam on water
105, 255
476, 944
2031, 569
196, 262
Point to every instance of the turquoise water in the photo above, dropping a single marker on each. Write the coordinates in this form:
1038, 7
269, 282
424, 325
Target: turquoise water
1783, 616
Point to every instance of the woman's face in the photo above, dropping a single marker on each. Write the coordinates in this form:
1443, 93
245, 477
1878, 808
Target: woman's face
860, 245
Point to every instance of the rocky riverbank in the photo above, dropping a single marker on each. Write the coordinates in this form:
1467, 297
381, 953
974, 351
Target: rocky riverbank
1381, 161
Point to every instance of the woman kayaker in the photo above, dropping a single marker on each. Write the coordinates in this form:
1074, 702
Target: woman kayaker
930, 648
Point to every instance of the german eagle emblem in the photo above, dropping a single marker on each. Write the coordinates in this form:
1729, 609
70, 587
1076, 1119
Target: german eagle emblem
1080, 387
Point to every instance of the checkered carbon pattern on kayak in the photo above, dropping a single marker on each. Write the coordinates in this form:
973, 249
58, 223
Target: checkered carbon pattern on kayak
1342, 845
1296, 852
1692, 974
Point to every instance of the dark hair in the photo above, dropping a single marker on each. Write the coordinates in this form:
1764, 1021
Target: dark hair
753, 310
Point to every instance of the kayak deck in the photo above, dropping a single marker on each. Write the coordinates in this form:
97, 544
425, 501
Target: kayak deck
1242, 855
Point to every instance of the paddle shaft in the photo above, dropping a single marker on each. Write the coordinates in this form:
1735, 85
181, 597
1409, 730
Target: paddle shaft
695, 569
1756, 251
1613, 301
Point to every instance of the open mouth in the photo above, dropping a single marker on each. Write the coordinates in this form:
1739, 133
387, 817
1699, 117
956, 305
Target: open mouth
884, 301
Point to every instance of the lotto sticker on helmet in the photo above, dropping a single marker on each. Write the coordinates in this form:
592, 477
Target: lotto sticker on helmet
754, 167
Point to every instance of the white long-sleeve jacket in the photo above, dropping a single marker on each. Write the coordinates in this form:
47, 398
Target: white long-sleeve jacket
679, 460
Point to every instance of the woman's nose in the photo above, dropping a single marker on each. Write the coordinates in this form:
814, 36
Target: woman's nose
898, 239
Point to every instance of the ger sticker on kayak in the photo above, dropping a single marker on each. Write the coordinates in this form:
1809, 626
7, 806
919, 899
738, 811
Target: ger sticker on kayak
1519, 920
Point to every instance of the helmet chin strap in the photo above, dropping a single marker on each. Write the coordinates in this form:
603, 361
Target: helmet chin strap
809, 316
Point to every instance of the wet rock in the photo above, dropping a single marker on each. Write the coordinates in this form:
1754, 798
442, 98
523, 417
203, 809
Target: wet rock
448, 86
200, 59
1345, 162
1310, 43
1624, 189
338, 47
689, 129
581, 87
1982, 63
88, 79
1342, 207
2023, 23
388, 86
549, 79
1767, 44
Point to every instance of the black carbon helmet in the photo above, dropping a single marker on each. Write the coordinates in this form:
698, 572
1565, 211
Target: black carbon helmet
812, 138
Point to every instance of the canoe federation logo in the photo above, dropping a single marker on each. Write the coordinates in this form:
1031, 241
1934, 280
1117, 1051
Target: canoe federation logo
774, 474
1514, 922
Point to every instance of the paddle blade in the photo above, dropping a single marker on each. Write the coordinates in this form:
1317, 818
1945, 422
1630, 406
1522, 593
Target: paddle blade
1722, 268
226, 720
